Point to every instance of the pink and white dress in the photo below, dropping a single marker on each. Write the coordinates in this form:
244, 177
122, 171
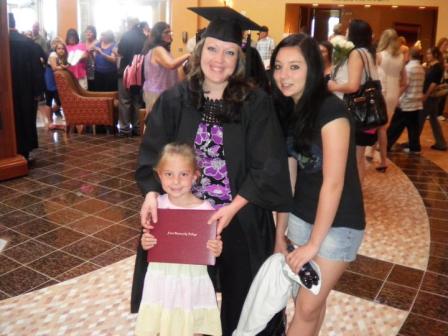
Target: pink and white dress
178, 300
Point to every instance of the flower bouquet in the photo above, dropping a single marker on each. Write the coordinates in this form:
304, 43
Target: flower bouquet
341, 49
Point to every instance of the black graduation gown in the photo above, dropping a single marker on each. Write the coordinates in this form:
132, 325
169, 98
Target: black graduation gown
27, 85
256, 160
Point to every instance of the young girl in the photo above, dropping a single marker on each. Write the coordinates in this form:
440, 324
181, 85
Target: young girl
57, 60
178, 300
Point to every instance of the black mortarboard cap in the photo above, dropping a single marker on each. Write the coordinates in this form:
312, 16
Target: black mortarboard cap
226, 24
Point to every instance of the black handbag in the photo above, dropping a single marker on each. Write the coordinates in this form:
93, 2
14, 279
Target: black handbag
367, 106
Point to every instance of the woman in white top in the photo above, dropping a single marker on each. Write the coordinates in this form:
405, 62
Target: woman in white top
390, 62
360, 33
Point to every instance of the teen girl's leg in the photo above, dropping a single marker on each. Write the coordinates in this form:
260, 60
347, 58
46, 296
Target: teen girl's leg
309, 308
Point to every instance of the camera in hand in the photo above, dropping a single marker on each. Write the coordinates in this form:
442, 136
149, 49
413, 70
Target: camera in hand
307, 274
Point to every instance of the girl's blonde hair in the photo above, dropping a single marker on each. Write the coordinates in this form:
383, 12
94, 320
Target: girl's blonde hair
178, 148
389, 41
55, 41
59, 42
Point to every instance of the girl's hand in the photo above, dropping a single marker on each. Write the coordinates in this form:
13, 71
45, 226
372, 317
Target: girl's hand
331, 85
215, 246
148, 240
300, 256
281, 245
223, 217
148, 212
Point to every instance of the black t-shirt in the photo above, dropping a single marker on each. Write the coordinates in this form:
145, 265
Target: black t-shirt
433, 75
350, 212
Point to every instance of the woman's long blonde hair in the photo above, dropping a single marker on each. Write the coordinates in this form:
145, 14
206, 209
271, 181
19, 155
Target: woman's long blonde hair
389, 41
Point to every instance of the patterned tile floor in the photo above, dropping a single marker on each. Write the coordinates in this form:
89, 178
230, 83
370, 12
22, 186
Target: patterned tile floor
76, 214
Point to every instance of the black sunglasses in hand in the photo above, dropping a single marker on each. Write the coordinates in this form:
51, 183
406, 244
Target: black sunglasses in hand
307, 274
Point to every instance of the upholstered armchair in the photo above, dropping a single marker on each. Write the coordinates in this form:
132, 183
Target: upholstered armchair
82, 107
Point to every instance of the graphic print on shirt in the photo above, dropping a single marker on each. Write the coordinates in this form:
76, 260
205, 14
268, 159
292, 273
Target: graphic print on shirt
311, 163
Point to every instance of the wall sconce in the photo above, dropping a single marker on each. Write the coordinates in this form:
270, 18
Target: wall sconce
228, 3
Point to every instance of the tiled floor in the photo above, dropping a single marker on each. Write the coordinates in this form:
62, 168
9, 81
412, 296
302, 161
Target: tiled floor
74, 213
77, 212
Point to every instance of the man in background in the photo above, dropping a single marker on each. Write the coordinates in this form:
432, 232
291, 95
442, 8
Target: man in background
27, 87
39, 39
410, 106
130, 101
265, 46
338, 31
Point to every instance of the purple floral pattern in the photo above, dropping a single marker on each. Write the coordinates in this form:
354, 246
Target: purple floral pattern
214, 185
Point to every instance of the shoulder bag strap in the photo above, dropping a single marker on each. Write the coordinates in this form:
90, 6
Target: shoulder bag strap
366, 71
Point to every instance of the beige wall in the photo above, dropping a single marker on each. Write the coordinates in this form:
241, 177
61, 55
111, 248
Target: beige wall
182, 20
384, 19
266, 12
272, 12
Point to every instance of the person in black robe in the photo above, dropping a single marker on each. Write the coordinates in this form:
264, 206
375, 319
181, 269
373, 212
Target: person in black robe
254, 155
27, 87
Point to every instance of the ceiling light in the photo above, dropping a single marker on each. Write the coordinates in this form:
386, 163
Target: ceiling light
394, 6
367, 6
315, 5
422, 7
340, 5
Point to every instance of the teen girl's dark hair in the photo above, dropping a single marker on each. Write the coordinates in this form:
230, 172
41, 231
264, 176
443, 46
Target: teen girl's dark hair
235, 93
360, 33
301, 120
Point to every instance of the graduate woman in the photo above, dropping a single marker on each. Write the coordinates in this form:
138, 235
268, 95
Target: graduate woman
241, 153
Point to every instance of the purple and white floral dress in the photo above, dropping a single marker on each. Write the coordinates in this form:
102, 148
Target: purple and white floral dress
214, 185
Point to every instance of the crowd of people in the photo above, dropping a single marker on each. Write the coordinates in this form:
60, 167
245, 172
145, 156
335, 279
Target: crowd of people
276, 153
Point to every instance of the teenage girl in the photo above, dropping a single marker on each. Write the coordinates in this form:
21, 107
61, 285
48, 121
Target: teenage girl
178, 299
327, 218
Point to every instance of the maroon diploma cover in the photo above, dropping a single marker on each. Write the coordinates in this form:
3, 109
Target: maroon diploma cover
182, 237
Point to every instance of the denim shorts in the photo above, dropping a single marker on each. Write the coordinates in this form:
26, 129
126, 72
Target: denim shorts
340, 244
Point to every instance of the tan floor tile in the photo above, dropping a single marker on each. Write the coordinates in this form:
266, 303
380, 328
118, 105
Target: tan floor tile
397, 227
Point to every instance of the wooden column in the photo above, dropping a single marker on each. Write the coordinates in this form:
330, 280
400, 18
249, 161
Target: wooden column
67, 16
11, 164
